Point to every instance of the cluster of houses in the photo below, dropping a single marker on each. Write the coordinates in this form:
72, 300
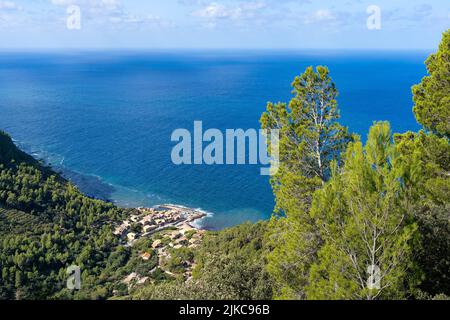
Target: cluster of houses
150, 220
185, 236
175, 225
178, 239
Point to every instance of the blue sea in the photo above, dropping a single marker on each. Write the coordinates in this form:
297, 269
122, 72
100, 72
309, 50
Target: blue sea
105, 119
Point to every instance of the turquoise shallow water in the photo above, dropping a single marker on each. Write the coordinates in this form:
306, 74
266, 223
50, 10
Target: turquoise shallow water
106, 118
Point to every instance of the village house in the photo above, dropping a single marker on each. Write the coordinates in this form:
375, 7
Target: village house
131, 236
134, 218
146, 256
142, 280
147, 220
130, 278
175, 235
120, 230
156, 244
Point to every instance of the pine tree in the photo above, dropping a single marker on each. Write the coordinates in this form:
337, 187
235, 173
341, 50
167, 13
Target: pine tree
365, 225
310, 139
432, 95
425, 157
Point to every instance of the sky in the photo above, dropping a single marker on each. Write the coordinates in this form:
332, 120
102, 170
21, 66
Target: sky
230, 24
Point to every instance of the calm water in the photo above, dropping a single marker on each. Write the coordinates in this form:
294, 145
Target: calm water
106, 118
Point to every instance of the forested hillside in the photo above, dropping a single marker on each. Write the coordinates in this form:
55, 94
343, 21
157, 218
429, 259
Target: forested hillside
46, 225
230, 265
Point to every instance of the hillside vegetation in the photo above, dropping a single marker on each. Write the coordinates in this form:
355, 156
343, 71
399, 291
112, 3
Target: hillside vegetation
47, 225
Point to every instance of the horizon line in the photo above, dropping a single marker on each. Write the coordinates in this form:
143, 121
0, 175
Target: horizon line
90, 49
